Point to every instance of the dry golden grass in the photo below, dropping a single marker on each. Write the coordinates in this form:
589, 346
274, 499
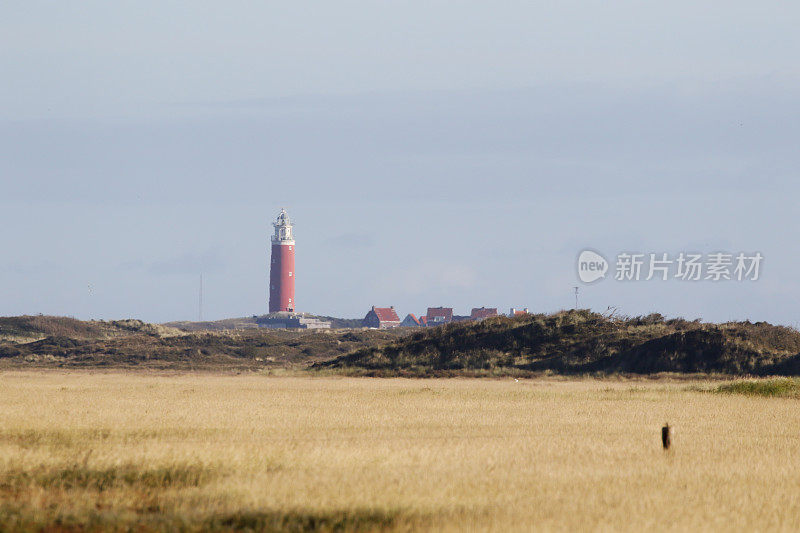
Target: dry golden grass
83, 451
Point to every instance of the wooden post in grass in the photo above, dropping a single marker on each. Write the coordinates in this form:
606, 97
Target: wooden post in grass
665, 436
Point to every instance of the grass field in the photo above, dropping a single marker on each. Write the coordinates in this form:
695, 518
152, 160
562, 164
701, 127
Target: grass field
94, 451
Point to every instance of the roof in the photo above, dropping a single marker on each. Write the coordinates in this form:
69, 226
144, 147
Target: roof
483, 312
444, 312
423, 320
412, 317
386, 314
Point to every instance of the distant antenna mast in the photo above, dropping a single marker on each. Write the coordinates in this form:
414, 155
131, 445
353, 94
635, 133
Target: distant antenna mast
576, 296
201, 298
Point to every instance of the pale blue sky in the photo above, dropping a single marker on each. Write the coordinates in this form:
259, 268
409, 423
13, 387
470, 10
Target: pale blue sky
431, 153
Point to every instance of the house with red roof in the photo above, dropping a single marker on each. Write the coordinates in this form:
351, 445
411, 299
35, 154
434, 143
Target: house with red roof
381, 317
479, 313
410, 321
439, 315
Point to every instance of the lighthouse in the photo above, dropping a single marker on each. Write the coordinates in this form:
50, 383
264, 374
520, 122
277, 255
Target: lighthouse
281, 268
282, 307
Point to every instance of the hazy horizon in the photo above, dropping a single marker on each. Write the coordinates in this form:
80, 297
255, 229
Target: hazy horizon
429, 156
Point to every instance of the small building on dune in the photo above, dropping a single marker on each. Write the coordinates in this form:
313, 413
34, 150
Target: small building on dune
439, 315
410, 321
479, 313
285, 320
382, 318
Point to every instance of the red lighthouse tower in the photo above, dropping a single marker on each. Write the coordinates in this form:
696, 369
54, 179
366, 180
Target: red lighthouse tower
281, 269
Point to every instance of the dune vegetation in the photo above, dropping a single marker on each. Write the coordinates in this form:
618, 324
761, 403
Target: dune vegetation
580, 342
61, 342
567, 343
84, 451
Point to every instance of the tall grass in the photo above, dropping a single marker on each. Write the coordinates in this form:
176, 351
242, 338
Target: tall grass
137, 452
100, 479
778, 387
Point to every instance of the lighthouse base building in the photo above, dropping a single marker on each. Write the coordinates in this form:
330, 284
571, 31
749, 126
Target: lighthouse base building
291, 321
282, 303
